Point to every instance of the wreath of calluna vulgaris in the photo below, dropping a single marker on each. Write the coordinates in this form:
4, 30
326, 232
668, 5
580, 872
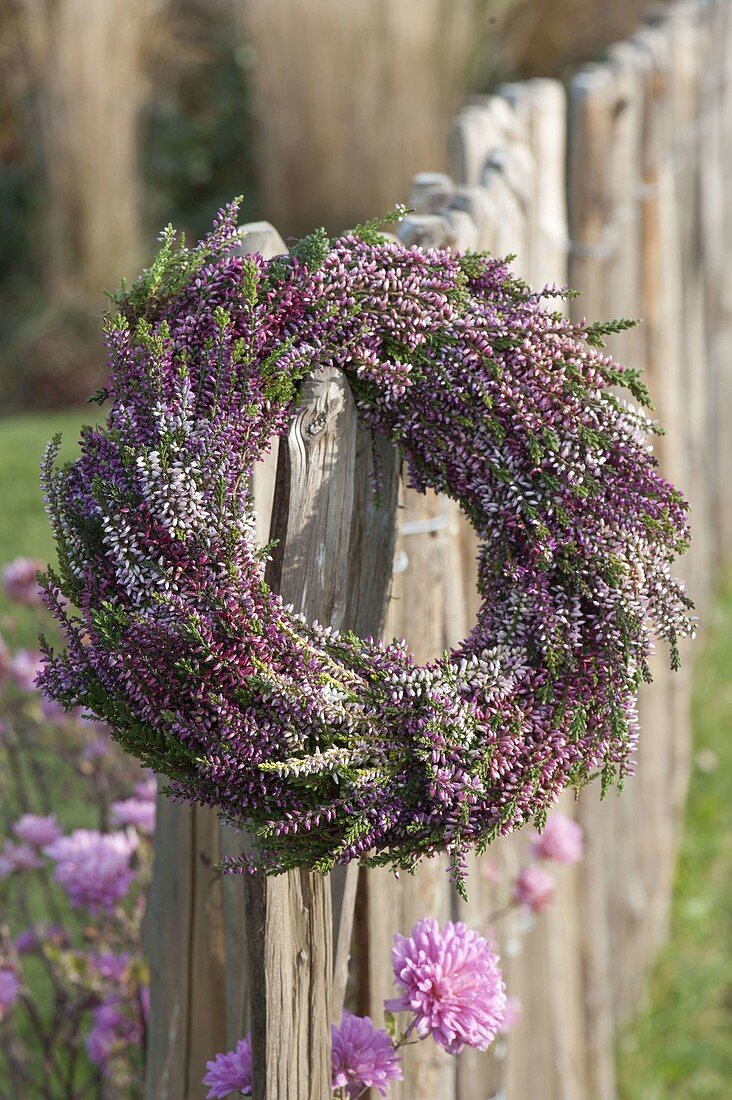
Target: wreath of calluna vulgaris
326, 746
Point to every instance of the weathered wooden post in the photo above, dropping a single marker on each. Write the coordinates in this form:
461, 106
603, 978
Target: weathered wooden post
333, 561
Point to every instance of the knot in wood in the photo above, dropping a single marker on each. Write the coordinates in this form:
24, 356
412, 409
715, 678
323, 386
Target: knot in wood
317, 424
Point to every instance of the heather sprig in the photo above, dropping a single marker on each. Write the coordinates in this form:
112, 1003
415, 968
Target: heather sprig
326, 746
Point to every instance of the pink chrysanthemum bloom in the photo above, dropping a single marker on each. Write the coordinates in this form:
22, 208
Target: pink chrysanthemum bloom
363, 1056
9, 990
512, 1016
561, 840
139, 812
94, 868
534, 888
452, 983
19, 578
18, 857
230, 1072
37, 831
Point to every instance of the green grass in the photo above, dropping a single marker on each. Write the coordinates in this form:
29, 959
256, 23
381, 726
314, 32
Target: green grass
681, 1044
24, 527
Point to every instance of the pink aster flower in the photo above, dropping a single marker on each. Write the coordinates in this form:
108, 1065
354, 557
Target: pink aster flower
561, 840
112, 1032
23, 669
37, 831
108, 966
533, 888
147, 788
512, 1016
135, 811
94, 868
97, 748
18, 857
19, 578
9, 990
54, 712
363, 1056
230, 1072
452, 983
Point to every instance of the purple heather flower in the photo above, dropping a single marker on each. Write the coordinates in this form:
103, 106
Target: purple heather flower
230, 1072
25, 666
19, 578
94, 868
452, 984
36, 830
9, 989
561, 840
18, 857
533, 888
363, 1056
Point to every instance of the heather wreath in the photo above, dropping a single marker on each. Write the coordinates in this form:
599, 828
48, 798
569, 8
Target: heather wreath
326, 746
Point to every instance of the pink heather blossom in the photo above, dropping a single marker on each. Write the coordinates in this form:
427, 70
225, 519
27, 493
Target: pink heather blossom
512, 1016
561, 840
18, 857
37, 831
9, 990
23, 669
534, 888
135, 811
231, 1072
363, 1056
94, 868
452, 983
19, 578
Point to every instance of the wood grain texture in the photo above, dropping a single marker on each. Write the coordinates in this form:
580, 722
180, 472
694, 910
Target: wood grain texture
328, 565
184, 945
593, 231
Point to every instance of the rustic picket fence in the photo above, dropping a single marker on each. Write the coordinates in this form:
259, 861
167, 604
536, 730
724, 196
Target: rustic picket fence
617, 184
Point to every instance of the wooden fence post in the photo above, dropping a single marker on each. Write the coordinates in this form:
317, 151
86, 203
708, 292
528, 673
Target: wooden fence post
289, 917
269, 941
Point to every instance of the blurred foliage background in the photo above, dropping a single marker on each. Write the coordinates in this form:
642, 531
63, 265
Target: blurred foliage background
117, 116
